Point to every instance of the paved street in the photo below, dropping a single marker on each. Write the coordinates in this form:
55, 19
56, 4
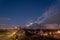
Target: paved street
7, 35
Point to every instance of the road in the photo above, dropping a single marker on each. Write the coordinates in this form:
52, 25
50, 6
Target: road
7, 35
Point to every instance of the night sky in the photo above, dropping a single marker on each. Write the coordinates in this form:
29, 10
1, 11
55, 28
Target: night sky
22, 11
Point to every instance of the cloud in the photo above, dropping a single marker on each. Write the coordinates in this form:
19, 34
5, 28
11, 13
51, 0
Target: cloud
52, 11
5, 18
51, 17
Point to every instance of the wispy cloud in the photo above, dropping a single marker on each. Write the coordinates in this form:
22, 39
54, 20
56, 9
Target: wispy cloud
52, 11
4, 18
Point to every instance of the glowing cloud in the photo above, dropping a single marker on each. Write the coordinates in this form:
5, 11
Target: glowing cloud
29, 24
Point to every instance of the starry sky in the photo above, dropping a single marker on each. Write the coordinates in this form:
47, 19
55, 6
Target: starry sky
22, 11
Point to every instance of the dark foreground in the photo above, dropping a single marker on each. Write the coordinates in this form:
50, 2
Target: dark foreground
38, 38
35, 35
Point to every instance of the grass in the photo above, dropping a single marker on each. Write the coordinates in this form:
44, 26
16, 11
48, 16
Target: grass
11, 38
3, 32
